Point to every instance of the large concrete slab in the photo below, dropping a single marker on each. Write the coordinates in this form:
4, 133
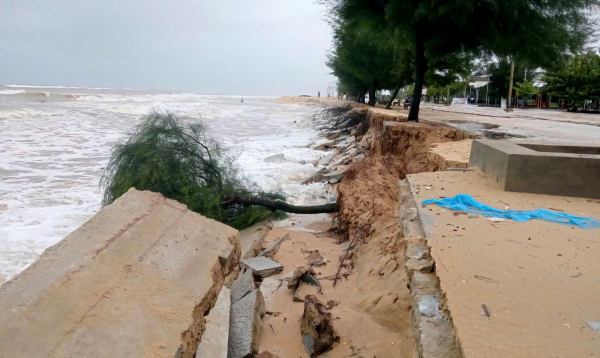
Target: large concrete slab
134, 281
215, 337
245, 325
538, 280
541, 168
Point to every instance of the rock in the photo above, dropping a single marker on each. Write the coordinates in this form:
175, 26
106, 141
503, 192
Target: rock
275, 158
316, 178
134, 277
340, 160
334, 177
242, 286
310, 279
274, 247
304, 289
262, 266
326, 159
297, 276
316, 329
351, 151
245, 325
302, 162
215, 338
333, 135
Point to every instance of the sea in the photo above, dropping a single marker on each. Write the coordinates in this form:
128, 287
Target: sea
55, 142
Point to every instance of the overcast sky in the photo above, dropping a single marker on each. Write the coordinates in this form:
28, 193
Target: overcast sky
263, 47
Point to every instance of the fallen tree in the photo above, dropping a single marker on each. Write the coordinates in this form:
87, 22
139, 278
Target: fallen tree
180, 160
280, 205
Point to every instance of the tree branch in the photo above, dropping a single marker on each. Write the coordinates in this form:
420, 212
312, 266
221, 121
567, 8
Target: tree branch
280, 205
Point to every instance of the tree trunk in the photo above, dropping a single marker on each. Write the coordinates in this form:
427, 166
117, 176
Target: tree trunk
372, 90
420, 68
280, 205
389, 105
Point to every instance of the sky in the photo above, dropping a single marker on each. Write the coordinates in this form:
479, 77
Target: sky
251, 47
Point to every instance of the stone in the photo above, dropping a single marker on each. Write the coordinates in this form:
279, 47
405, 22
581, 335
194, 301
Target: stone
262, 266
252, 238
274, 247
245, 325
316, 178
242, 286
333, 135
137, 278
304, 289
275, 158
318, 335
334, 177
340, 160
351, 151
326, 159
215, 338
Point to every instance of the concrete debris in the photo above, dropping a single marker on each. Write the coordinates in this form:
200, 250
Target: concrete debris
332, 136
326, 159
310, 279
316, 328
297, 276
316, 178
252, 238
245, 325
315, 258
274, 247
242, 286
275, 158
304, 289
140, 263
262, 266
215, 338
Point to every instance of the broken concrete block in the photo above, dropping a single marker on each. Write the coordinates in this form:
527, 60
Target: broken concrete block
304, 289
316, 259
274, 247
326, 159
333, 136
245, 325
242, 286
215, 338
262, 266
267, 355
252, 238
316, 328
138, 277
297, 276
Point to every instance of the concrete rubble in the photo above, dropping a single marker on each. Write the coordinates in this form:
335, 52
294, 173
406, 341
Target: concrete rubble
262, 266
144, 269
274, 247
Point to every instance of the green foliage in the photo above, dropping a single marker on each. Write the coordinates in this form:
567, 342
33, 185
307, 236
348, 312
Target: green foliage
525, 89
539, 32
577, 81
181, 161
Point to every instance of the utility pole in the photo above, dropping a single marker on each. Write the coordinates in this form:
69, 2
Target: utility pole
510, 84
525, 74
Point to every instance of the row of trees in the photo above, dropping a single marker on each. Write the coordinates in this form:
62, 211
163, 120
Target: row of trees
385, 44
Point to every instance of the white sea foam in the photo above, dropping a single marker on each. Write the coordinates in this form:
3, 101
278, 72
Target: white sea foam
53, 153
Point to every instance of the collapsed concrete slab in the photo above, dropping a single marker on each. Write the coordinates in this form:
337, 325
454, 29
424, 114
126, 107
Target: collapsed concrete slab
215, 338
135, 280
242, 286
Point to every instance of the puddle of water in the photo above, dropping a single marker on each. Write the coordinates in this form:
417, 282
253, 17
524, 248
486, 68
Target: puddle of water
483, 129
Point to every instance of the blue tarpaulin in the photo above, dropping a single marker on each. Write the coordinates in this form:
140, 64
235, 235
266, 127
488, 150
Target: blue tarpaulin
464, 202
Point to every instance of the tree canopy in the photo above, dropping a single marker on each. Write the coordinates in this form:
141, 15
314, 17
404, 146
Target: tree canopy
576, 81
541, 32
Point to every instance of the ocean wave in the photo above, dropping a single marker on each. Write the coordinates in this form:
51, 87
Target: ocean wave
24, 96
